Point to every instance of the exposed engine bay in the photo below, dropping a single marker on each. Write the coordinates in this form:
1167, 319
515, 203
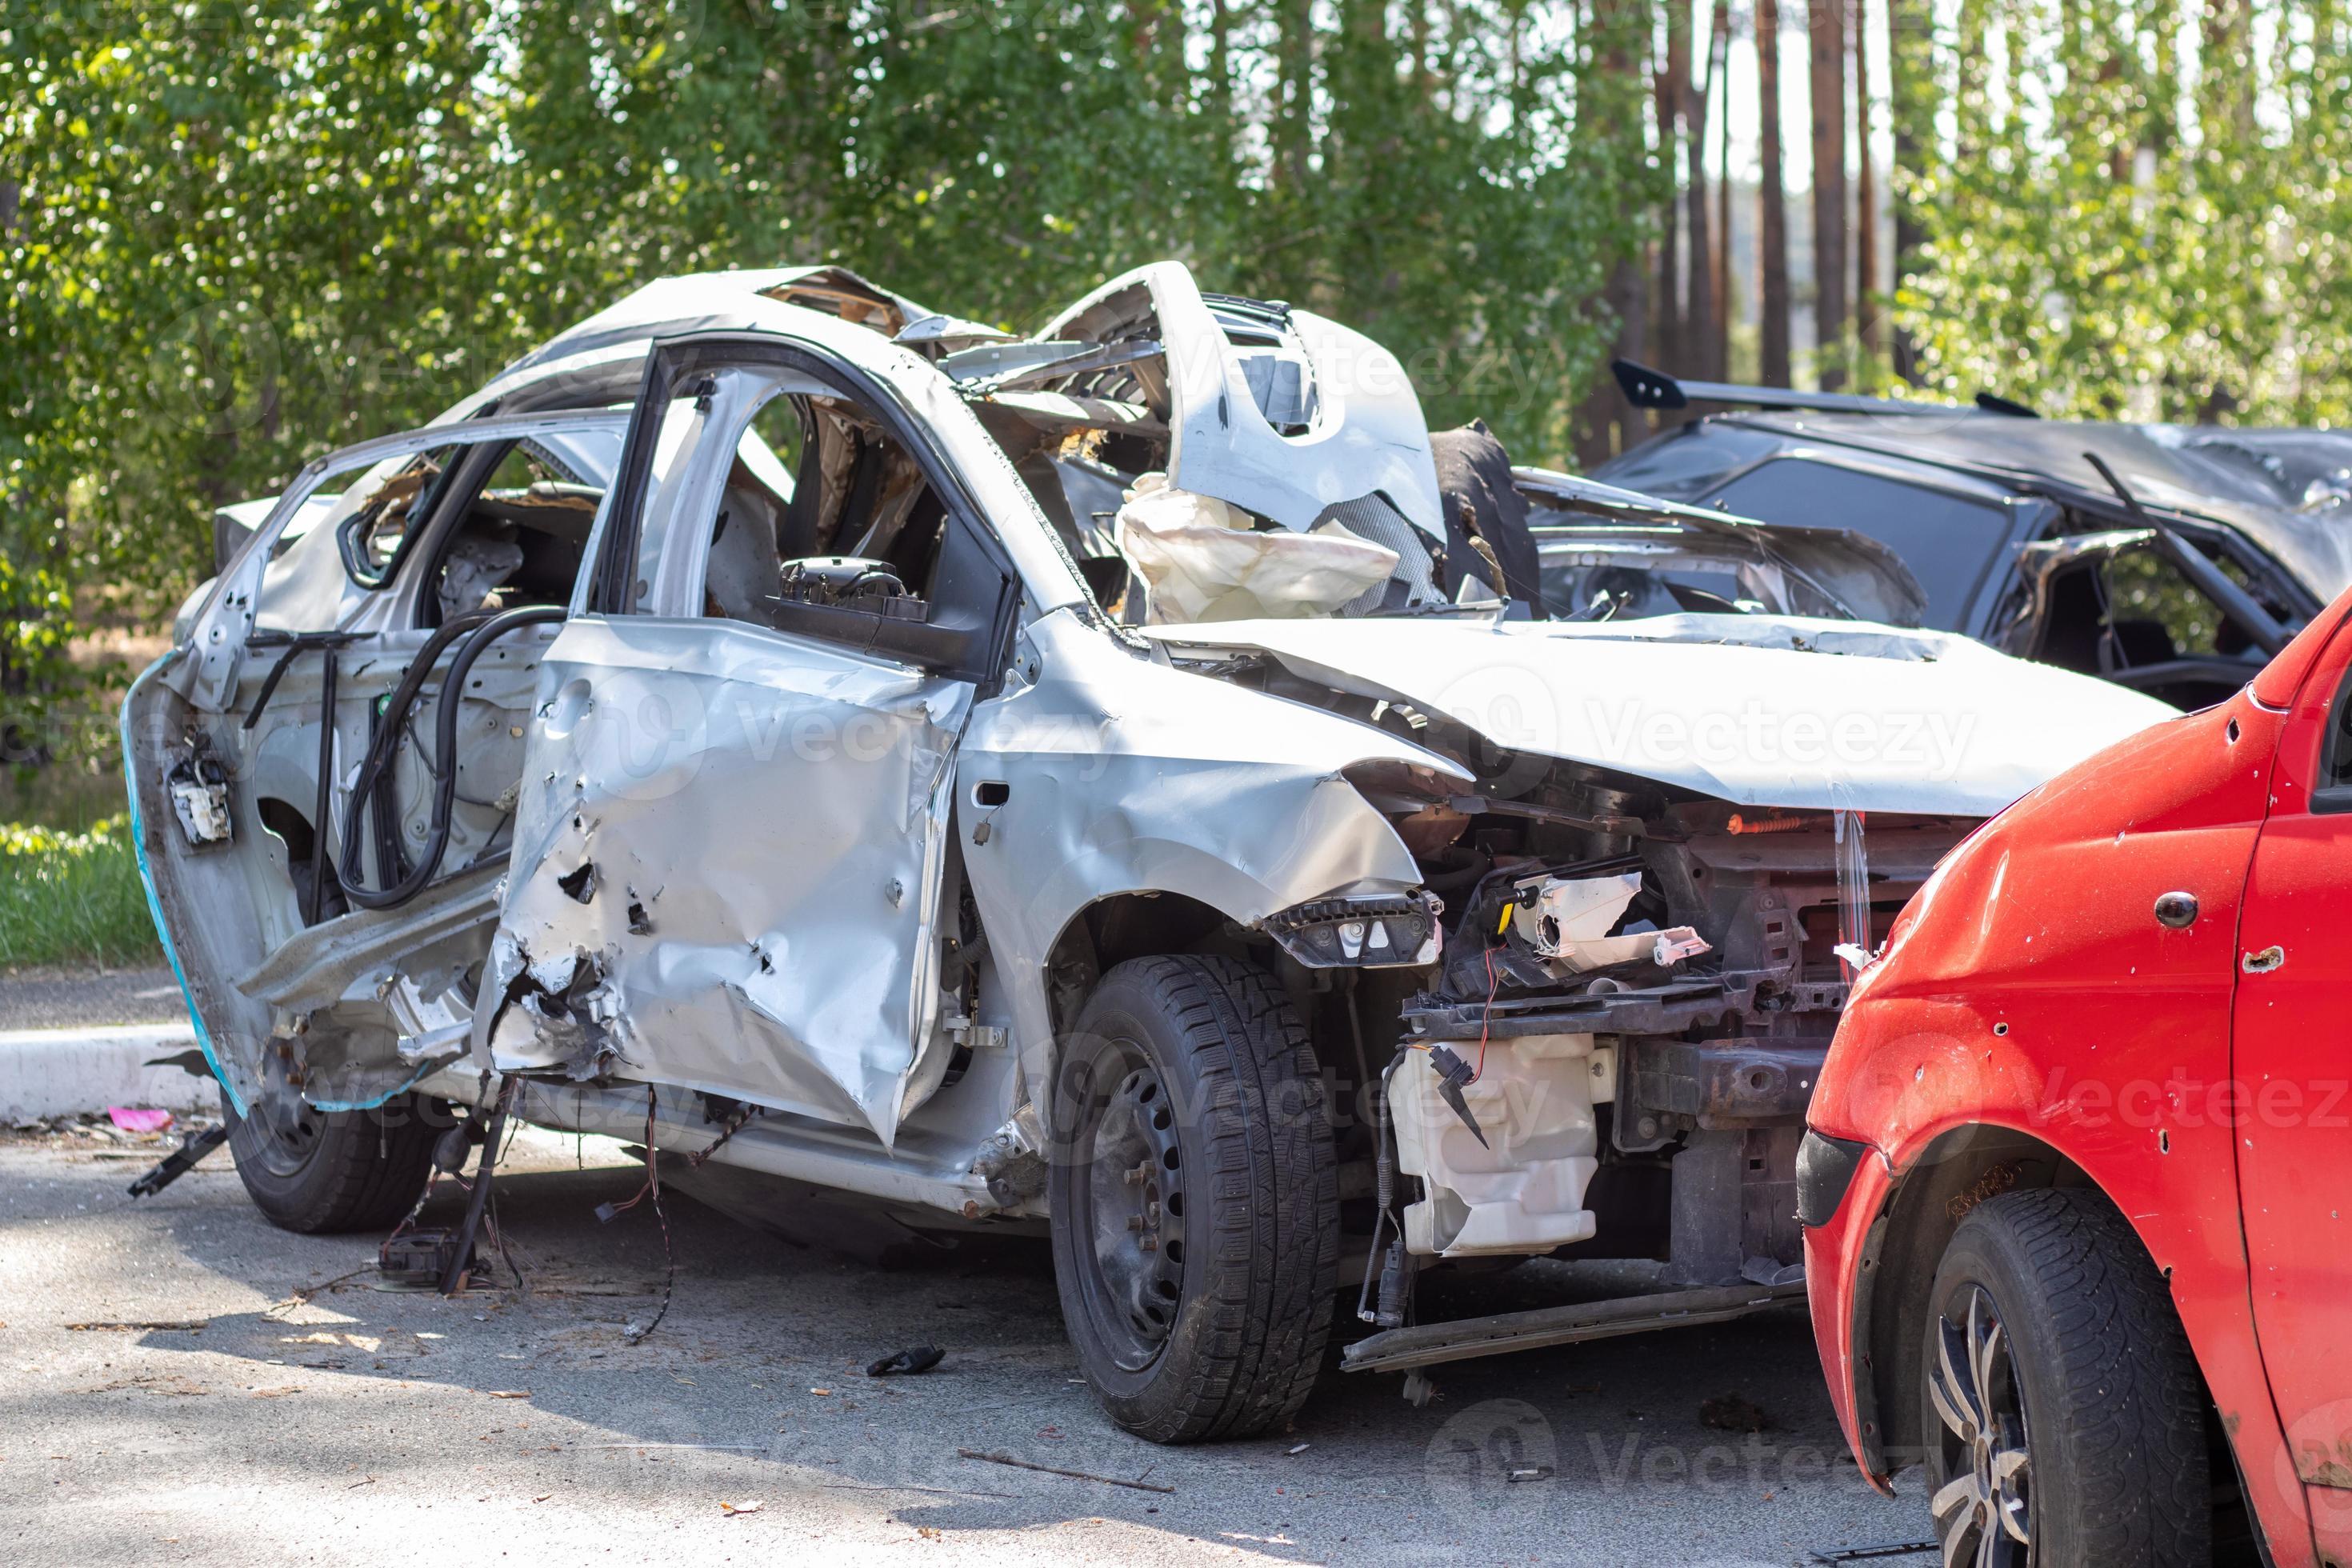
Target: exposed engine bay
1635, 989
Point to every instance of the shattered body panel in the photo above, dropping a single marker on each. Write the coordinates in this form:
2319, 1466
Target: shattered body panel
2092, 990
668, 921
1114, 775
1286, 415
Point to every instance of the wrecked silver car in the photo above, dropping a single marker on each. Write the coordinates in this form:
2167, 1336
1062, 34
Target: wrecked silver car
1094, 783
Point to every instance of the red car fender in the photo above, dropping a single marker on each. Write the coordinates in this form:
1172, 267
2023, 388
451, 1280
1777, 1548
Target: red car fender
2031, 1020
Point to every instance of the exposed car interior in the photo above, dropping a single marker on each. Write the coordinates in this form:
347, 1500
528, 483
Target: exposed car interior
857, 524
508, 525
2168, 560
2134, 618
1085, 421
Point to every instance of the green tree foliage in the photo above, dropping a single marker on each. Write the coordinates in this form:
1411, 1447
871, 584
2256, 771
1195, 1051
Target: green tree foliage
232, 234
2137, 209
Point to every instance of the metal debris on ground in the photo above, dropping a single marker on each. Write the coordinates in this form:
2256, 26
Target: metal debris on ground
180, 1160
302, 1296
1868, 1553
420, 1258
1056, 1470
908, 1362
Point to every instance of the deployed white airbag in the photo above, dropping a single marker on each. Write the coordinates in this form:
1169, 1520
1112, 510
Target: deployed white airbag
1202, 562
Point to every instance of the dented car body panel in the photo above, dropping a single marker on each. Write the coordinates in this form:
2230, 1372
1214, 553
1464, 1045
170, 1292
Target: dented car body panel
788, 964
2095, 989
757, 773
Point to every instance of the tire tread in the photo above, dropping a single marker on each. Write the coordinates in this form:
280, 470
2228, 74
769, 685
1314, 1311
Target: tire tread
367, 1173
1266, 1309
2129, 1400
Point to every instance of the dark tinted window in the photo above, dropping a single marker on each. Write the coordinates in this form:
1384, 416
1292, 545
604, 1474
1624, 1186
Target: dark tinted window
1684, 464
1947, 542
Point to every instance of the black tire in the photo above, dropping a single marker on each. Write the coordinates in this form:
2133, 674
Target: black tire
2048, 1312
1189, 1102
313, 1171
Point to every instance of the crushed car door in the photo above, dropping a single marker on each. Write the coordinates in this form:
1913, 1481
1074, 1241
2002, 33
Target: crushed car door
2290, 1068
733, 836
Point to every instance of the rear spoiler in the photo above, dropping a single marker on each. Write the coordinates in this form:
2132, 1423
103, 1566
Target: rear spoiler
1647, 388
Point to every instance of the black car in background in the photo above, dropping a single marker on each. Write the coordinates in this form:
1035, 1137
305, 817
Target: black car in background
2171, 559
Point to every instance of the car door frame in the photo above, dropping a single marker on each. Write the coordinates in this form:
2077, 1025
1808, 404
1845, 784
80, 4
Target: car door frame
196, 687
672, 359
615, 599
224, 623
2302, 802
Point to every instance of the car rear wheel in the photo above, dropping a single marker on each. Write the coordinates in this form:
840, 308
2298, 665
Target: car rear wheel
1195, 1199
2064, 1413
311, 1170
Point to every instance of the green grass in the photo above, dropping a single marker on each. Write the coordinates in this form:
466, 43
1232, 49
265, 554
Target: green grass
72, 898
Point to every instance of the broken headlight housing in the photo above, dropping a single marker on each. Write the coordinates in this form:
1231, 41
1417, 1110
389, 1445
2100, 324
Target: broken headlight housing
1385, 930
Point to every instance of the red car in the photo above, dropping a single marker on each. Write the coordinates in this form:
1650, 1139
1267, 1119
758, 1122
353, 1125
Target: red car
2078, 1181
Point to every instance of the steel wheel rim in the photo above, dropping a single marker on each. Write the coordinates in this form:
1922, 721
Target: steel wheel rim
1132, 1240
1984, 1513
285, 1128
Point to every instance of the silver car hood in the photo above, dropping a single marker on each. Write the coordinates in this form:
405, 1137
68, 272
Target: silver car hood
1753, 709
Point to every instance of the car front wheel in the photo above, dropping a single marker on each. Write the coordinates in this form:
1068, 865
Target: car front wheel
2064, 1414
1194, 1198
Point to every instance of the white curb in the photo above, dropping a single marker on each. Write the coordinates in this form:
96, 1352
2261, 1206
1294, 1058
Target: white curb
62, 1073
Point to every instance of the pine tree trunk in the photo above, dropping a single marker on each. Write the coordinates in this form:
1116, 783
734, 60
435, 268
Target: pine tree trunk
1866, 296
1830, 308
1666, 344
1296, 128
1604, 423
1772, 201
1698, 310
1221, 67
1909, 92
1721, 271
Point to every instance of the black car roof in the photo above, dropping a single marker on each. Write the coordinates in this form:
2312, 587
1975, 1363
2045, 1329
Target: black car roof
2289, 491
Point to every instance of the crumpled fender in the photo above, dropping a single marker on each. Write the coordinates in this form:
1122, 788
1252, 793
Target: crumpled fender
1120, 776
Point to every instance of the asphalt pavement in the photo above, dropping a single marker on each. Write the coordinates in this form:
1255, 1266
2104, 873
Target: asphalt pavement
63, 998
182, 1382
